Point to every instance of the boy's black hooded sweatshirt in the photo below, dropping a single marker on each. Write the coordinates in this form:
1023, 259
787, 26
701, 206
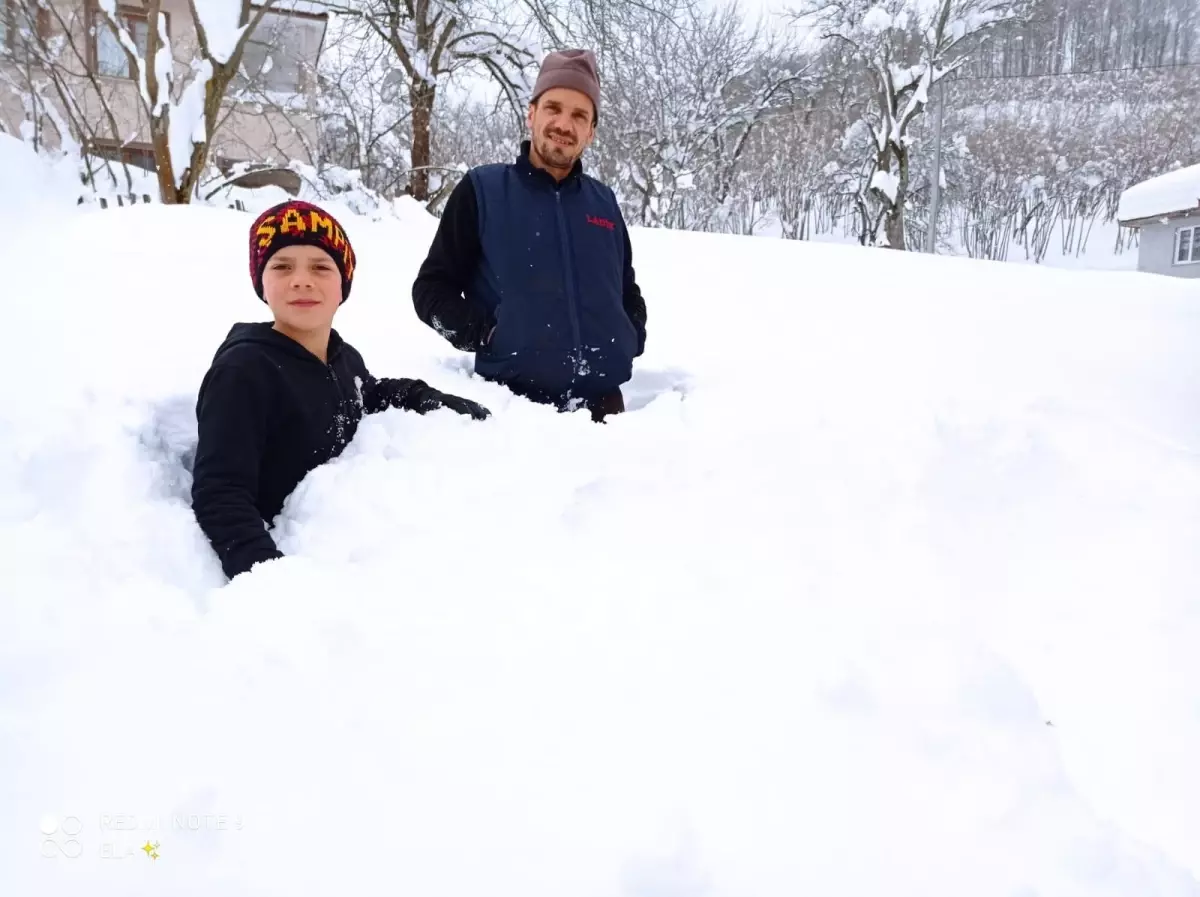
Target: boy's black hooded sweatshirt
268, 412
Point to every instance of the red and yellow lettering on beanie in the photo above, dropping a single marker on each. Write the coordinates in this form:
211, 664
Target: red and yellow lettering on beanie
299, 223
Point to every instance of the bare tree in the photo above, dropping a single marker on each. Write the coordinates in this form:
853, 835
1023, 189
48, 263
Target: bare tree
434, 40
366, 119
1034, 163
684, 88
66, 105
469, 133
364, 114
81, 85
904, 48
184, 113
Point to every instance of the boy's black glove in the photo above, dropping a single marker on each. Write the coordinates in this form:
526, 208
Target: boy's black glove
429, 399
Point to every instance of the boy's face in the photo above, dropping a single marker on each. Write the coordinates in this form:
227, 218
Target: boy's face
303, 288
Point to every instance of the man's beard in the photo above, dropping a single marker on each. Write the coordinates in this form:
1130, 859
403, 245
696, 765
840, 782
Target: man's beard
556, 154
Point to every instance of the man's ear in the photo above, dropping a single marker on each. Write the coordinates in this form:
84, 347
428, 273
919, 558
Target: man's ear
529, 116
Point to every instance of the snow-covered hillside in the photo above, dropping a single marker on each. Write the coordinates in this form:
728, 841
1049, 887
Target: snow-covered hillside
886, 585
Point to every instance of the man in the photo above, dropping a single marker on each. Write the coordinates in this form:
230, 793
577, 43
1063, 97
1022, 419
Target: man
531, 267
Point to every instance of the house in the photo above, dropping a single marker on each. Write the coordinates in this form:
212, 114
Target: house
61, 67
1166, 212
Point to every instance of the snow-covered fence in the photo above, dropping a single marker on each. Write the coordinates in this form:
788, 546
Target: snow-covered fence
121, 200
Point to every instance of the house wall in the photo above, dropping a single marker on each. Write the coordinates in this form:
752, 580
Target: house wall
258, 124
1156, 248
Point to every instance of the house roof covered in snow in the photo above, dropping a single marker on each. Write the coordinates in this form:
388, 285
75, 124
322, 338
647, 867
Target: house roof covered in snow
306, 7
1168, 195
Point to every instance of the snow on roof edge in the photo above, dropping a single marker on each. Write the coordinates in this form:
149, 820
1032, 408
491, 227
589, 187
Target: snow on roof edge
1170, 193
311, 7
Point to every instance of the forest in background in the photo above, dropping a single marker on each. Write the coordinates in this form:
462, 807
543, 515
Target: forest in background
820, 120
1046, 121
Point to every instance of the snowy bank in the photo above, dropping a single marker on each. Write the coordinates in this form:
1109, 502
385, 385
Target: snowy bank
885, 585
48, 182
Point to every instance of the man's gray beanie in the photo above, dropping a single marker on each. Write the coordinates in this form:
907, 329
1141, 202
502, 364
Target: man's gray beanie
574, 69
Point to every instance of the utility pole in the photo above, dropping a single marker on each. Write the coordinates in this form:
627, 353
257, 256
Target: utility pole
935, 192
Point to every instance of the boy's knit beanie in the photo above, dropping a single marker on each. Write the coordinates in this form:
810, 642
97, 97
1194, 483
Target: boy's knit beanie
299, 223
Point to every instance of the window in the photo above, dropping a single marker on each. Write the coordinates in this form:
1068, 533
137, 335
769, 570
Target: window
277, 51
110, 56
21, 29
138, 155
1187, 246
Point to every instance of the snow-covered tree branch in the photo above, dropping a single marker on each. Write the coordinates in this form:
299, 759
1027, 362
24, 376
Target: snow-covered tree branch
684, 87
432, 41
184, 108
903, 48
65, 103
363, 109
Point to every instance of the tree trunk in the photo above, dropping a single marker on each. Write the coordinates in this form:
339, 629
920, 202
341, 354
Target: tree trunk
191, 175
895, 218
421, 94
894, 227
160, 128
214, 92
865, 231
179, 187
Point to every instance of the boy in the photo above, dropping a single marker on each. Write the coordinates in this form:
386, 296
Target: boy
283, 398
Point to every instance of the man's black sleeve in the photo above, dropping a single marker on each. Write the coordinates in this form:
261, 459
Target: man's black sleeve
447, 270
631, 296
232, 411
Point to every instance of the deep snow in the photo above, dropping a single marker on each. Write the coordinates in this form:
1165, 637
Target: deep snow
887, 585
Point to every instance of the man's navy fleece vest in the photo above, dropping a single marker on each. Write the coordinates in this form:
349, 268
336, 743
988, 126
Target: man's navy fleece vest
552, 266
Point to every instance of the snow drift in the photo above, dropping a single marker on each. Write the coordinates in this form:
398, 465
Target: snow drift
885, 585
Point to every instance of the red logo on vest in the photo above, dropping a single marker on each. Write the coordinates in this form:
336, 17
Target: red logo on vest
601, 222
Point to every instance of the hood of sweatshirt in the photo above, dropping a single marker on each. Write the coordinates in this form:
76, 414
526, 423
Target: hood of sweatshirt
263, 333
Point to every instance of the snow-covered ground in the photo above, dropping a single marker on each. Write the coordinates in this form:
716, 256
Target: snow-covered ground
1098, 252
886, 585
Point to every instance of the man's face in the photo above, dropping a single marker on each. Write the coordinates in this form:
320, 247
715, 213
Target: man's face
303, 288
561, 126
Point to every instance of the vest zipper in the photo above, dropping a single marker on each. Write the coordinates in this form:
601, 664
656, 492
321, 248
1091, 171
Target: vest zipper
569, 273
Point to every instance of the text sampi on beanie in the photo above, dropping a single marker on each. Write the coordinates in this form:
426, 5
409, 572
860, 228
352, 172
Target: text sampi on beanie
299, 223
